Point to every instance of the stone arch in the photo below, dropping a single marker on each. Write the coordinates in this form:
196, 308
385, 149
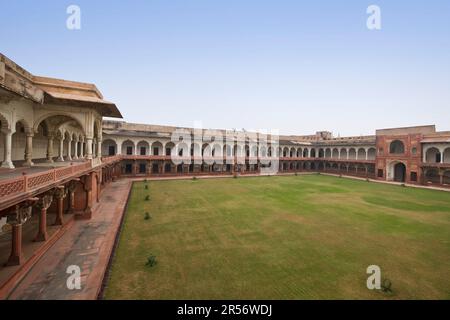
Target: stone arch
321, 153
128, 147
362, 154
67, 115
206, 150
169, 149
143, 148
371, 153
344, 153
299, 153
352, 153
305, 153
25, 124
292, 152
109, 147
217, 151
446, 177
18, 141
335, 154
446, 155
312, 154
433, 155
327, 153
285, 152
396, 171
157, 149
432, 175
397, 147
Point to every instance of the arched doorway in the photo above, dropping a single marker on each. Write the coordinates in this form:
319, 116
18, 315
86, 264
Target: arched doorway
399, 172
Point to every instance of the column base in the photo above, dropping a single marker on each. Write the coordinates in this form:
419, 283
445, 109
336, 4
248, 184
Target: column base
14, 261
58, 222
60, 159
28, 163
7, 165
84, 215
50, 160
41, 237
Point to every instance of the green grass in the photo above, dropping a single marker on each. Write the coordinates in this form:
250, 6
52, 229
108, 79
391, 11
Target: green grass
298, 237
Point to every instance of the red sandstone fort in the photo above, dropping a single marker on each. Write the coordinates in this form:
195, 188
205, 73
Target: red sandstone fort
57, 156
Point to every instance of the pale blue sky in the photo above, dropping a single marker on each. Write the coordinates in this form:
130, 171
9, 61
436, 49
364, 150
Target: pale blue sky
295, 66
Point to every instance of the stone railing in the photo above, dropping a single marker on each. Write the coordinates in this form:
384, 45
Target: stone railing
25, 183
111, 159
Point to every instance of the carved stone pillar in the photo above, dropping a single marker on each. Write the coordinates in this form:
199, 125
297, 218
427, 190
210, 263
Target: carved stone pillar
20, 214
82, 145
75, 153
29, 150
50, 148
89, 148
71, 192
61, 149
7, 163
99, 148
69, 149
42, 205
88, 184
59, 195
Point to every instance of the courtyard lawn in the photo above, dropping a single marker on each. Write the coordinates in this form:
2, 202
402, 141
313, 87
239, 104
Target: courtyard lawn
292, 237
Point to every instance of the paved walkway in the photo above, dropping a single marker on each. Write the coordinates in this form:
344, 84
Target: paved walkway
87, 244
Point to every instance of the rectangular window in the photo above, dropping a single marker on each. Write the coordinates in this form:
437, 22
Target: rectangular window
128, 168
156, 151
143, 151
168, 151
380, 173
413, 176
142, 168
112, 150
129, 150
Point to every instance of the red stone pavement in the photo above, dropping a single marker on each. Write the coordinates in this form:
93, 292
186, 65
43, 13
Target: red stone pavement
87, 244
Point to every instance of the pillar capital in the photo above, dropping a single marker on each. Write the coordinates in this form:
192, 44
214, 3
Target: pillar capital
44, 202
60, 192
29, 132
71, 186
21, 212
